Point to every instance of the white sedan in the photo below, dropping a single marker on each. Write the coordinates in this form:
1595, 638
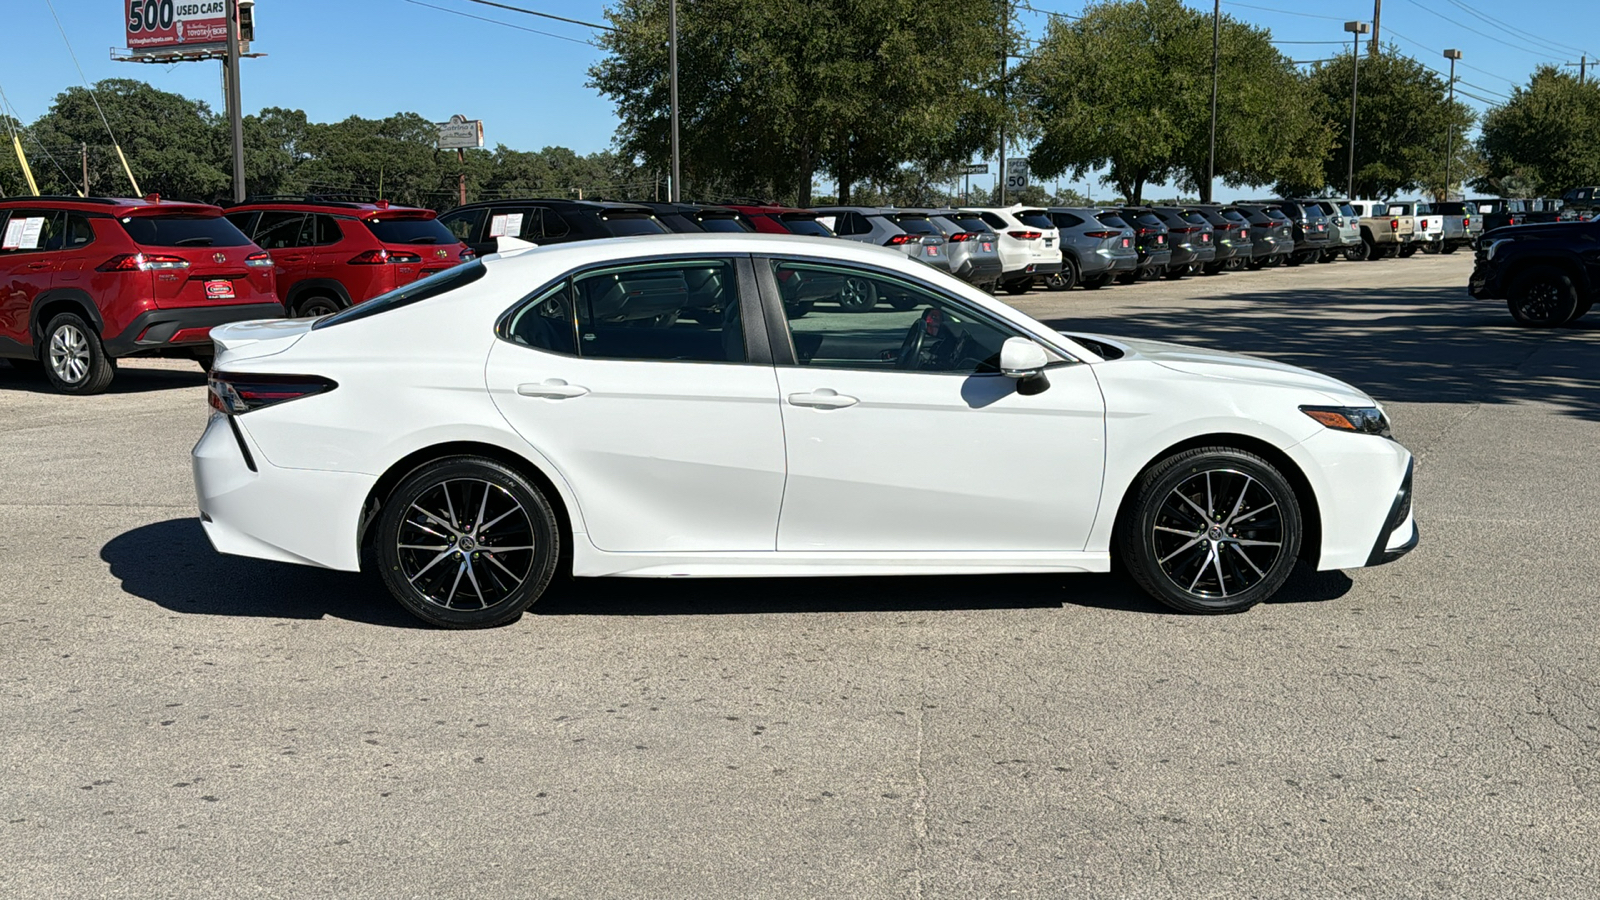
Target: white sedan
703, 406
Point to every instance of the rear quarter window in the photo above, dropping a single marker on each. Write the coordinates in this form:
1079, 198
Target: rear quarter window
183, 231
410, 231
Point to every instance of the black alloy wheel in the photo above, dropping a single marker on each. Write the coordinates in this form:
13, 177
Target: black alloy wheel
1543, 297
858, 294
1211, 530
467, 542
316, 306
1064, 280
1358, 251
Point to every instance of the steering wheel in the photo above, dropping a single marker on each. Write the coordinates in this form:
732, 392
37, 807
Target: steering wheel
930, 324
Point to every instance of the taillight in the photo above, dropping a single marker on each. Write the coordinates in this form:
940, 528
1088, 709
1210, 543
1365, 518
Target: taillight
142, 262
236, 394
467, 255
1394, 224
898, 239
379, 257
1102, 235
1423, 224
1467, 222
1026, 235
1244, 232
962, 236
262, 260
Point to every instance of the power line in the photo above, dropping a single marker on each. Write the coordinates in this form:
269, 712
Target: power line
467, 15
1287, 12
542, 15
1543, 54
1341, 43
1499, 24
1048, 12
1416, 43
93, 96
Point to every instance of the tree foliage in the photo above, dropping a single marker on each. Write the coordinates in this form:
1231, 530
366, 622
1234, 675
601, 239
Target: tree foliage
1544, 140
771, 93
1403, 115
1127, 87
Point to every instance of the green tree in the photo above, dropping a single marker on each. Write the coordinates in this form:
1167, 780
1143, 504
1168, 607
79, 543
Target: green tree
1543, 140
1403, 114
772, 93
1127, 88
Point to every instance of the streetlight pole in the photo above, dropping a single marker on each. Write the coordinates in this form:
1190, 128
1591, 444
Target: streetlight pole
1216, 66
1005, 53
1356, 29
672, 65
1450, 127
235, 113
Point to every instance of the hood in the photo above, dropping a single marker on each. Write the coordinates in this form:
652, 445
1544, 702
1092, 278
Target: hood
1233, 367
263, 337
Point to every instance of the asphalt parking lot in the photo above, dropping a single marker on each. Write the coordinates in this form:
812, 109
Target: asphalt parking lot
177, 723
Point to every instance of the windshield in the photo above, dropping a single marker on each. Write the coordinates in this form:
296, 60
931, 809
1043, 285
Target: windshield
415, 292
183, 231
1313, 211
970, 223
1347, 210
1035, 218
722, 224
410, 231
1111, 220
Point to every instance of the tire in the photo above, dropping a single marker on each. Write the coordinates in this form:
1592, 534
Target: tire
1357, 252
315, 305
1130, 277
1430, 249
1328, 256
75, 362
1196, 573
431, 557
1015, 288
1408, 251
858, 295
1096, 283
1448, 249
1543, 297
1213, 268
1174, 273
1256, 265
1583, 310
1064, 280
1291, 259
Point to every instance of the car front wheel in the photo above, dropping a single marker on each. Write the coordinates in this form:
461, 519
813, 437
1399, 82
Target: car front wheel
75, 362
467, 542
1211, 530
1543, 297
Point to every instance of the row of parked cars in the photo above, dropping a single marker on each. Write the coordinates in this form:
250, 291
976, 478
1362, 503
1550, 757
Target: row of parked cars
87, 281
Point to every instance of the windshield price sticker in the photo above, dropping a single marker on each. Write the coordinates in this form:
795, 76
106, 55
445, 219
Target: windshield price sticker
23, 234
508, 225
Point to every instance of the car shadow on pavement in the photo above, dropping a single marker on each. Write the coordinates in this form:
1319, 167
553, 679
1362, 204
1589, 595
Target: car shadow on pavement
172, 565
129, 380
1404, 344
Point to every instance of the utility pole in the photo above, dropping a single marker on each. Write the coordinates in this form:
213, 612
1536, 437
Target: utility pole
83, 147
1583, 68
1377, 17
1356, 29
230, 66
1005, 54
1450, 132
673, 193
1216, 67
461, 178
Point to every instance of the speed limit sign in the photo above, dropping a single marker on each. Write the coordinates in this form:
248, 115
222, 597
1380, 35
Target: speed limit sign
1016, 174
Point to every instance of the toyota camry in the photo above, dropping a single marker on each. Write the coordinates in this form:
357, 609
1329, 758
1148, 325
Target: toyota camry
732, 405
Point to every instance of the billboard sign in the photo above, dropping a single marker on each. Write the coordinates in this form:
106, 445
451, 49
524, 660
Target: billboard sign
460, 133
156, 25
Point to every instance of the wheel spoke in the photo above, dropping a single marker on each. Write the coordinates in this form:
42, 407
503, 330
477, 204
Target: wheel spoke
460, 570
1211, 552
1240, 501
423, 547
1204, 516
1211, 506
421, 527
499, 549
1242, 555
436, 520
431, 563
502, 566
482, 572
1243, 543
482, 527
1180, 550
1179, 531
472, 576
1216, 561
1257, 511
454, 522
483, 507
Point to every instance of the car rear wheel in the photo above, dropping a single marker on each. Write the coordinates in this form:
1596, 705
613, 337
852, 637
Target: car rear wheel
1096, 283
1448, 249
1583, 310
1408, 251
858, 295
1543, 297
1016, 288
75, 361
1063, 280
1359, 251
467, 542
316, 305
1130, 277
1211, 530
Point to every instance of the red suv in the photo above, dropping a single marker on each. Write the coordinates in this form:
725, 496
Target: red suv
770, 219
87, 280
330, 254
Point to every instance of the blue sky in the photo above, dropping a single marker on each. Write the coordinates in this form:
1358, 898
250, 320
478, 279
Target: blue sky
336, 58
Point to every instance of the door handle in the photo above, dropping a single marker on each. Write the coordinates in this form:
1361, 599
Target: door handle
34, 267
823, 398
551, 389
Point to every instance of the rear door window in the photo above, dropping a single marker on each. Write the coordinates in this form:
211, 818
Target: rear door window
279, 230
683, 311
551, 225
183, 231
79, 233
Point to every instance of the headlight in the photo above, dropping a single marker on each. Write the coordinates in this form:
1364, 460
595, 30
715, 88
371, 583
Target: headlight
1359, 419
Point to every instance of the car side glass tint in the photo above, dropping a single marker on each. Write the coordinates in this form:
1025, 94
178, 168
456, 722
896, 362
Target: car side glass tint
552, 225
279, 230
80, 233
856, 319
680, 311
547, 322
328, 231
464, 225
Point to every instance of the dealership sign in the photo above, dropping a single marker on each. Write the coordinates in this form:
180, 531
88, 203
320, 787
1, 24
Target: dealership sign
460, 133
168, 24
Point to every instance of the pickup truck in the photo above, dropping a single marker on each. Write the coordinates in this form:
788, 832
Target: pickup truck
1500, 212
1382, 234
1546, 273
1460, 228
1428, 230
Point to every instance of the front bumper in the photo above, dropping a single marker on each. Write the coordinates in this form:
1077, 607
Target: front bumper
183, 327
1360, 482
249, 507
1399, 535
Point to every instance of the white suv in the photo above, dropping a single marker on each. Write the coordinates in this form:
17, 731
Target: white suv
1029, 244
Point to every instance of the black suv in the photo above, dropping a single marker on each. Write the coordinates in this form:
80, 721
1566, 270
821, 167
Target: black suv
481, 225
1547, 273
695, 218
1310, 229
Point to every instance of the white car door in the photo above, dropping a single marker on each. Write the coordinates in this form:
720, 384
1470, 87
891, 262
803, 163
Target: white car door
642, 387
902, 435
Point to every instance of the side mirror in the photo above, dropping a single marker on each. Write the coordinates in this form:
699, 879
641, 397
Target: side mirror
1025, 360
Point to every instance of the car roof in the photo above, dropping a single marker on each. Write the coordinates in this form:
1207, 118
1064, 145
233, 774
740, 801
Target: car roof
663, 207
331, 205
111, 206
765, 209
864, 210
556, 202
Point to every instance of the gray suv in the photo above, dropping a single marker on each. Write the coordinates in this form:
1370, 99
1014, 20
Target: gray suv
1096, 246
973, 246
910, 231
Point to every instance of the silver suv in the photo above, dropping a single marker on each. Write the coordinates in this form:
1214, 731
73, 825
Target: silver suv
1096, 246
973, 246
911, 232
